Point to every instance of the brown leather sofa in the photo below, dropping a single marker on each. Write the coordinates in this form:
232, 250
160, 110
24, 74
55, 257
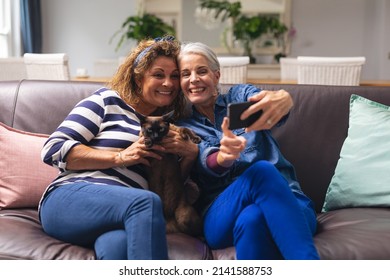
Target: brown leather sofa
311, 139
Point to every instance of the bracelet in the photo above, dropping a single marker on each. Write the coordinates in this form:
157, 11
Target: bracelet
121, 159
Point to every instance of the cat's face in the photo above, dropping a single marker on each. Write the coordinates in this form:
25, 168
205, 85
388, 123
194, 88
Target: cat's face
154, 128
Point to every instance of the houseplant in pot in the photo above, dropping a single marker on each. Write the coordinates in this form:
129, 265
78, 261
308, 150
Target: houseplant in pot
278, 30
246, 29
142, 26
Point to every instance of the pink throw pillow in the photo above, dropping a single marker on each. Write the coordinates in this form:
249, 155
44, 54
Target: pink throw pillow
23, 175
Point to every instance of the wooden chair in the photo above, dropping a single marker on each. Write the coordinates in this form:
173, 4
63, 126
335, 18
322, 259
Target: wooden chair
12, 68
233, 69
47, 66
288, 69
330, 70
105, 67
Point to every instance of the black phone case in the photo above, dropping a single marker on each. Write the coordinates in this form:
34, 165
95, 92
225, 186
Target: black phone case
234, 112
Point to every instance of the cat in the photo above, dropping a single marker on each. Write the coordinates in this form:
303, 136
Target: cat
165, 178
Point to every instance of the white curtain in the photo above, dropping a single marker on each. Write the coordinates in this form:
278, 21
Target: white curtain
10, 38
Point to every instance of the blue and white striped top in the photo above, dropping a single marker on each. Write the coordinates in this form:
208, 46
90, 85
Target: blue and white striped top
101, 121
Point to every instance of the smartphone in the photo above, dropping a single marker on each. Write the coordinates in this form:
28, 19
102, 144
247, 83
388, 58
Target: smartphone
234, 112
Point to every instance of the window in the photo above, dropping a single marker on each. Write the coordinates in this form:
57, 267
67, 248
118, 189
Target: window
10, 41
5, 26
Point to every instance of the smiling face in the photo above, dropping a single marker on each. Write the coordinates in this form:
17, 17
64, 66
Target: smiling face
160, 85
198, 81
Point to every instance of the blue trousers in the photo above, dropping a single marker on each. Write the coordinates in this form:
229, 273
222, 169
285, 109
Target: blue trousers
261, 216
119, 222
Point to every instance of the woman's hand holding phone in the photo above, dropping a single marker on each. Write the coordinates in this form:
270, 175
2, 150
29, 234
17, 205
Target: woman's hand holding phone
266, 109
234, 114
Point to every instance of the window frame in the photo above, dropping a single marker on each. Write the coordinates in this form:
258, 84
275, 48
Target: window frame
10, 37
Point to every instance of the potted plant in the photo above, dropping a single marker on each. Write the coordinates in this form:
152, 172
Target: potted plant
247, 29
142, 26
278, 30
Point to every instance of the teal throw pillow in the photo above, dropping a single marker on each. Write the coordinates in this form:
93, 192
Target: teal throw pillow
362, 174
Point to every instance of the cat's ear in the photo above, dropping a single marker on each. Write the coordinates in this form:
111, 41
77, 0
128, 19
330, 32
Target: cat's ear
168, 116
140, 116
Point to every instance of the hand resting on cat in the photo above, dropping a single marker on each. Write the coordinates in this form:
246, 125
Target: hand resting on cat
165, 178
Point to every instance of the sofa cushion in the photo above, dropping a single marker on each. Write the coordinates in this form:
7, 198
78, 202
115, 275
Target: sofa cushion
23, 176
354, 234
362, 174
22, 237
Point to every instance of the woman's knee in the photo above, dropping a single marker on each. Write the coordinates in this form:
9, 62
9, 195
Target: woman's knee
263, 167
265, 174
149, 199
146, 206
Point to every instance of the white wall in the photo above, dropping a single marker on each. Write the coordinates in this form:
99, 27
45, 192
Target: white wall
83, 28
329, 28
345, 28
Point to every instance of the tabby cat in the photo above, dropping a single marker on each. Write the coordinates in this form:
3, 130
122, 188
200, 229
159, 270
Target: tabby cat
165, 178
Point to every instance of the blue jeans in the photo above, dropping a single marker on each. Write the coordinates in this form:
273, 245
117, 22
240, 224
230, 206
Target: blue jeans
119, 222
260, 215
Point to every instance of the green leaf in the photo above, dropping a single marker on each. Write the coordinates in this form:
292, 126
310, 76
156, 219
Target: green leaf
141, 27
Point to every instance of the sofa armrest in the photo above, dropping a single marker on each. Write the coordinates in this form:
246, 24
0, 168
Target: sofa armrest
8, 95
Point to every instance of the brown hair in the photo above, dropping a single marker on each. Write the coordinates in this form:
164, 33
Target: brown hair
138, 61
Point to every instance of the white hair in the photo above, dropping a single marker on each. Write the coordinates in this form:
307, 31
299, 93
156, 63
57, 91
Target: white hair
200, 49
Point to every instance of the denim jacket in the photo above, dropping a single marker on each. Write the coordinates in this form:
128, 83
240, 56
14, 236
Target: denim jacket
260, 146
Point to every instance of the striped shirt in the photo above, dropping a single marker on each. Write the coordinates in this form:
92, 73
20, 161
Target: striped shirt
101, 121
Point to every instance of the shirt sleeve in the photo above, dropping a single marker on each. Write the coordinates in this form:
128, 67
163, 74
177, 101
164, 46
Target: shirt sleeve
80, 126
212, 163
